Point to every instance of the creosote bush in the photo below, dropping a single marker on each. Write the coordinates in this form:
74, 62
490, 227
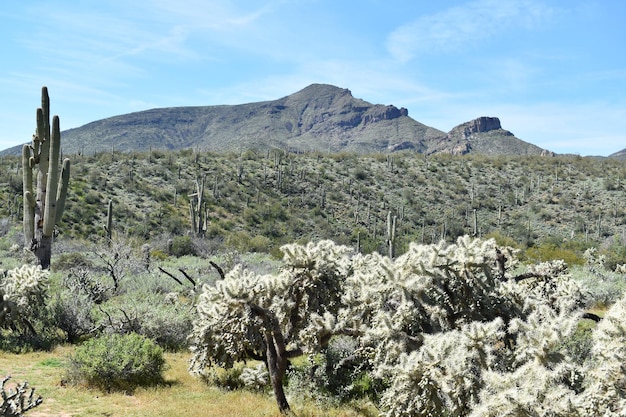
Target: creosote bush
181, 246
117, 363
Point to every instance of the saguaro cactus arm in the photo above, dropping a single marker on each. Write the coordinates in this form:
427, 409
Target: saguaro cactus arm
50, 204
63, 186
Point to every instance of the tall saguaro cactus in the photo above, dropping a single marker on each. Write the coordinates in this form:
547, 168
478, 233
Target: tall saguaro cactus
44, 205
391, 234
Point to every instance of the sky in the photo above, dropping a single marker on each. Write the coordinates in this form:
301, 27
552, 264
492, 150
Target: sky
553, 71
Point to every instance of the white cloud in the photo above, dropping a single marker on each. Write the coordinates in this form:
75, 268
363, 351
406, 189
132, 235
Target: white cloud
459, 26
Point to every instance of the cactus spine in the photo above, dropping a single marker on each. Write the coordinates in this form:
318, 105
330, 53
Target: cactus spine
44, 206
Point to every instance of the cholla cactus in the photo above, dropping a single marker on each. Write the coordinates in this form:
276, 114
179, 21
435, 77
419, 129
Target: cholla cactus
444, 374
256, 378
272, 317
23, 296
16, 402
446, 325
442, 324
606, 391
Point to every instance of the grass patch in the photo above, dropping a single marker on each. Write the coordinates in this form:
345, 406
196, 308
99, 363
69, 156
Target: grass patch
181, 395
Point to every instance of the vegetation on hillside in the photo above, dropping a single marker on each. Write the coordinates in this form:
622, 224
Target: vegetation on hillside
193, 239
258, 201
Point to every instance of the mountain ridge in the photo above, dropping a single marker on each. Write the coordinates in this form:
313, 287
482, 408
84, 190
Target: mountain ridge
619, 155
320, 117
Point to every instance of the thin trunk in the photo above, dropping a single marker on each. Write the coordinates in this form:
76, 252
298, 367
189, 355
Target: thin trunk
277, 368
44, 251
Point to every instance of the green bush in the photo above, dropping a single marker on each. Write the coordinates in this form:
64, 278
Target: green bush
548, 251
163, 317
117, 363
182, 245
227, 379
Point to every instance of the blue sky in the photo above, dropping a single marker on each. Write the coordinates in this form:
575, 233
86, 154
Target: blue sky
553, 71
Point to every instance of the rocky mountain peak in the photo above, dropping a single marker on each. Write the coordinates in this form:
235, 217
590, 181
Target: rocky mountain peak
479, 125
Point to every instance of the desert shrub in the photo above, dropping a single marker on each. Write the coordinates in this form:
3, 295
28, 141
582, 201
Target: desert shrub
158, 254
67, 261
604, 287
181, 246
164, 318
239, 241
72, 314
260, 243
615, 253
548, 252
117, 363
228, 379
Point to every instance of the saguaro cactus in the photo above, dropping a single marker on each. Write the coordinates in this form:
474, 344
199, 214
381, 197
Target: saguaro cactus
391, 234
108, 227
44, 205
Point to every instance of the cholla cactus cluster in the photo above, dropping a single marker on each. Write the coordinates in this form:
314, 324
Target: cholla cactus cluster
449, 326
256, 378
22, 291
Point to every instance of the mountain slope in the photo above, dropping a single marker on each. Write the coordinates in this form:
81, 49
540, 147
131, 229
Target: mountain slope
320, 117
485, 136
619, 155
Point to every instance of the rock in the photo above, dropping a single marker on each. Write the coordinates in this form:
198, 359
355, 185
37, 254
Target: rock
402, 146
480, 125
379, 112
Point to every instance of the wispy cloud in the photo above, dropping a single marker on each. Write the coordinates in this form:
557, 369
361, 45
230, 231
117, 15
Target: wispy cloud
460, 26
214, 15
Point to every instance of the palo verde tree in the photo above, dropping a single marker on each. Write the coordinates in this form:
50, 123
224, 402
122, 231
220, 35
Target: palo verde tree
44, 201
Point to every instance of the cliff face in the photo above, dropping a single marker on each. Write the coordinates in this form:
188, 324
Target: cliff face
480, 125
484, 135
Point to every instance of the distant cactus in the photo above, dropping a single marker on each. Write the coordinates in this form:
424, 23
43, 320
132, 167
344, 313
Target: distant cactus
391, 234
196, 206
108, 227
44, 205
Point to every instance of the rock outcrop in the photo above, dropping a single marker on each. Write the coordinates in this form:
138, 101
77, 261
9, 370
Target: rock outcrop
480, 125
485, 135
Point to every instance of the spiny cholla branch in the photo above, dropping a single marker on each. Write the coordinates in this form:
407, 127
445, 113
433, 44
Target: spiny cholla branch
16, 403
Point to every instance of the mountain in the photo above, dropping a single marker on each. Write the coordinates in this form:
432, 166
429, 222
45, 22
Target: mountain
320, 117
486, 136
619, 155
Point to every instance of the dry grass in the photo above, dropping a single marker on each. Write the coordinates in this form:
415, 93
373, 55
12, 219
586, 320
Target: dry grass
183, 395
